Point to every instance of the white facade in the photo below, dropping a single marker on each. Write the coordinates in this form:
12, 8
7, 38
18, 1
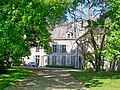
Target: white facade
64, 50
37, 55
66, 53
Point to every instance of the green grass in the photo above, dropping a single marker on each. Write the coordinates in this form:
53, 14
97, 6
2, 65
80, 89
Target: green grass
99, 80
12, 76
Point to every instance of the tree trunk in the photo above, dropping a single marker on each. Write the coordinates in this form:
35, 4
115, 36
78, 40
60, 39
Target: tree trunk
102, 46
112, 65
99, 61
95, 49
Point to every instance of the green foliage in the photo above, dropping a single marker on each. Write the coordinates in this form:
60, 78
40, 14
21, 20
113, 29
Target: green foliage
13, 76
26, 23
16, 62
104, 30
114, 14
90, 11
112, 50
99, 80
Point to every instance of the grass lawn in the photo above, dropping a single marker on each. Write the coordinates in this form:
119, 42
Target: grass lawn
98, 80
12, 76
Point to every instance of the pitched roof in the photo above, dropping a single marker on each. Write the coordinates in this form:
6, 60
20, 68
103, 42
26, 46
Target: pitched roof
61, 31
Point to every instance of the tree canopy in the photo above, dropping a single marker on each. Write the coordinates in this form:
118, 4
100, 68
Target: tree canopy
26, 23
102, 28
112, 48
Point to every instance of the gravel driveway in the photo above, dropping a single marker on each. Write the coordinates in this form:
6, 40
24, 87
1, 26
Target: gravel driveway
48, 80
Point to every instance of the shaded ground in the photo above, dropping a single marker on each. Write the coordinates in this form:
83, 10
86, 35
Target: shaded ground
13, 75
48, 79
102, 80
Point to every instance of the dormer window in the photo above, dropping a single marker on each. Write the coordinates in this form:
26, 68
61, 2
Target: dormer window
69, 35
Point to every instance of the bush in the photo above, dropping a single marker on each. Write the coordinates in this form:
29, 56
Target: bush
17, 63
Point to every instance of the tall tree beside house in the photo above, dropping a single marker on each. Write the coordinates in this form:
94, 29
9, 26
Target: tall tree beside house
109, 21
24, 24
89, 11
112, 47
98, 15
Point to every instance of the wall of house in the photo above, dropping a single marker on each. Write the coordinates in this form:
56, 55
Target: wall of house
63, 38
71, 57
37, 56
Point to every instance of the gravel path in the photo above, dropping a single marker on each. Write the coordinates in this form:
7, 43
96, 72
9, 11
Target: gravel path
48, 80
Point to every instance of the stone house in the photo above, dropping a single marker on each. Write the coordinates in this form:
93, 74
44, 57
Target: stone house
64, 49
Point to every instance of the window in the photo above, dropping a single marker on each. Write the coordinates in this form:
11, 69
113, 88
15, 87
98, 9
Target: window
73, 51
54, 48
53, 60
22, 59
72, 60
63, 60
37, 49
48, 60
71, 34
37, 58
28, 57
63, 48
68, 35
80, 62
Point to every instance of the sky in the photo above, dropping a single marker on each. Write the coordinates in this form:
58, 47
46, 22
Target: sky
85, 10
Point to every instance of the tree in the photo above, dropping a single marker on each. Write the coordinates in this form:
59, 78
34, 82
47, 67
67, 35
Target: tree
112, 47
95, 31
97, 28
24, 24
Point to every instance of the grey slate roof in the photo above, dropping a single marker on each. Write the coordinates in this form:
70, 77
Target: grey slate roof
61, 31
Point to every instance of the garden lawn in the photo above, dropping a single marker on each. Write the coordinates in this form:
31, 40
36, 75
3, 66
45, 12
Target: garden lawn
98, 80
12, 76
